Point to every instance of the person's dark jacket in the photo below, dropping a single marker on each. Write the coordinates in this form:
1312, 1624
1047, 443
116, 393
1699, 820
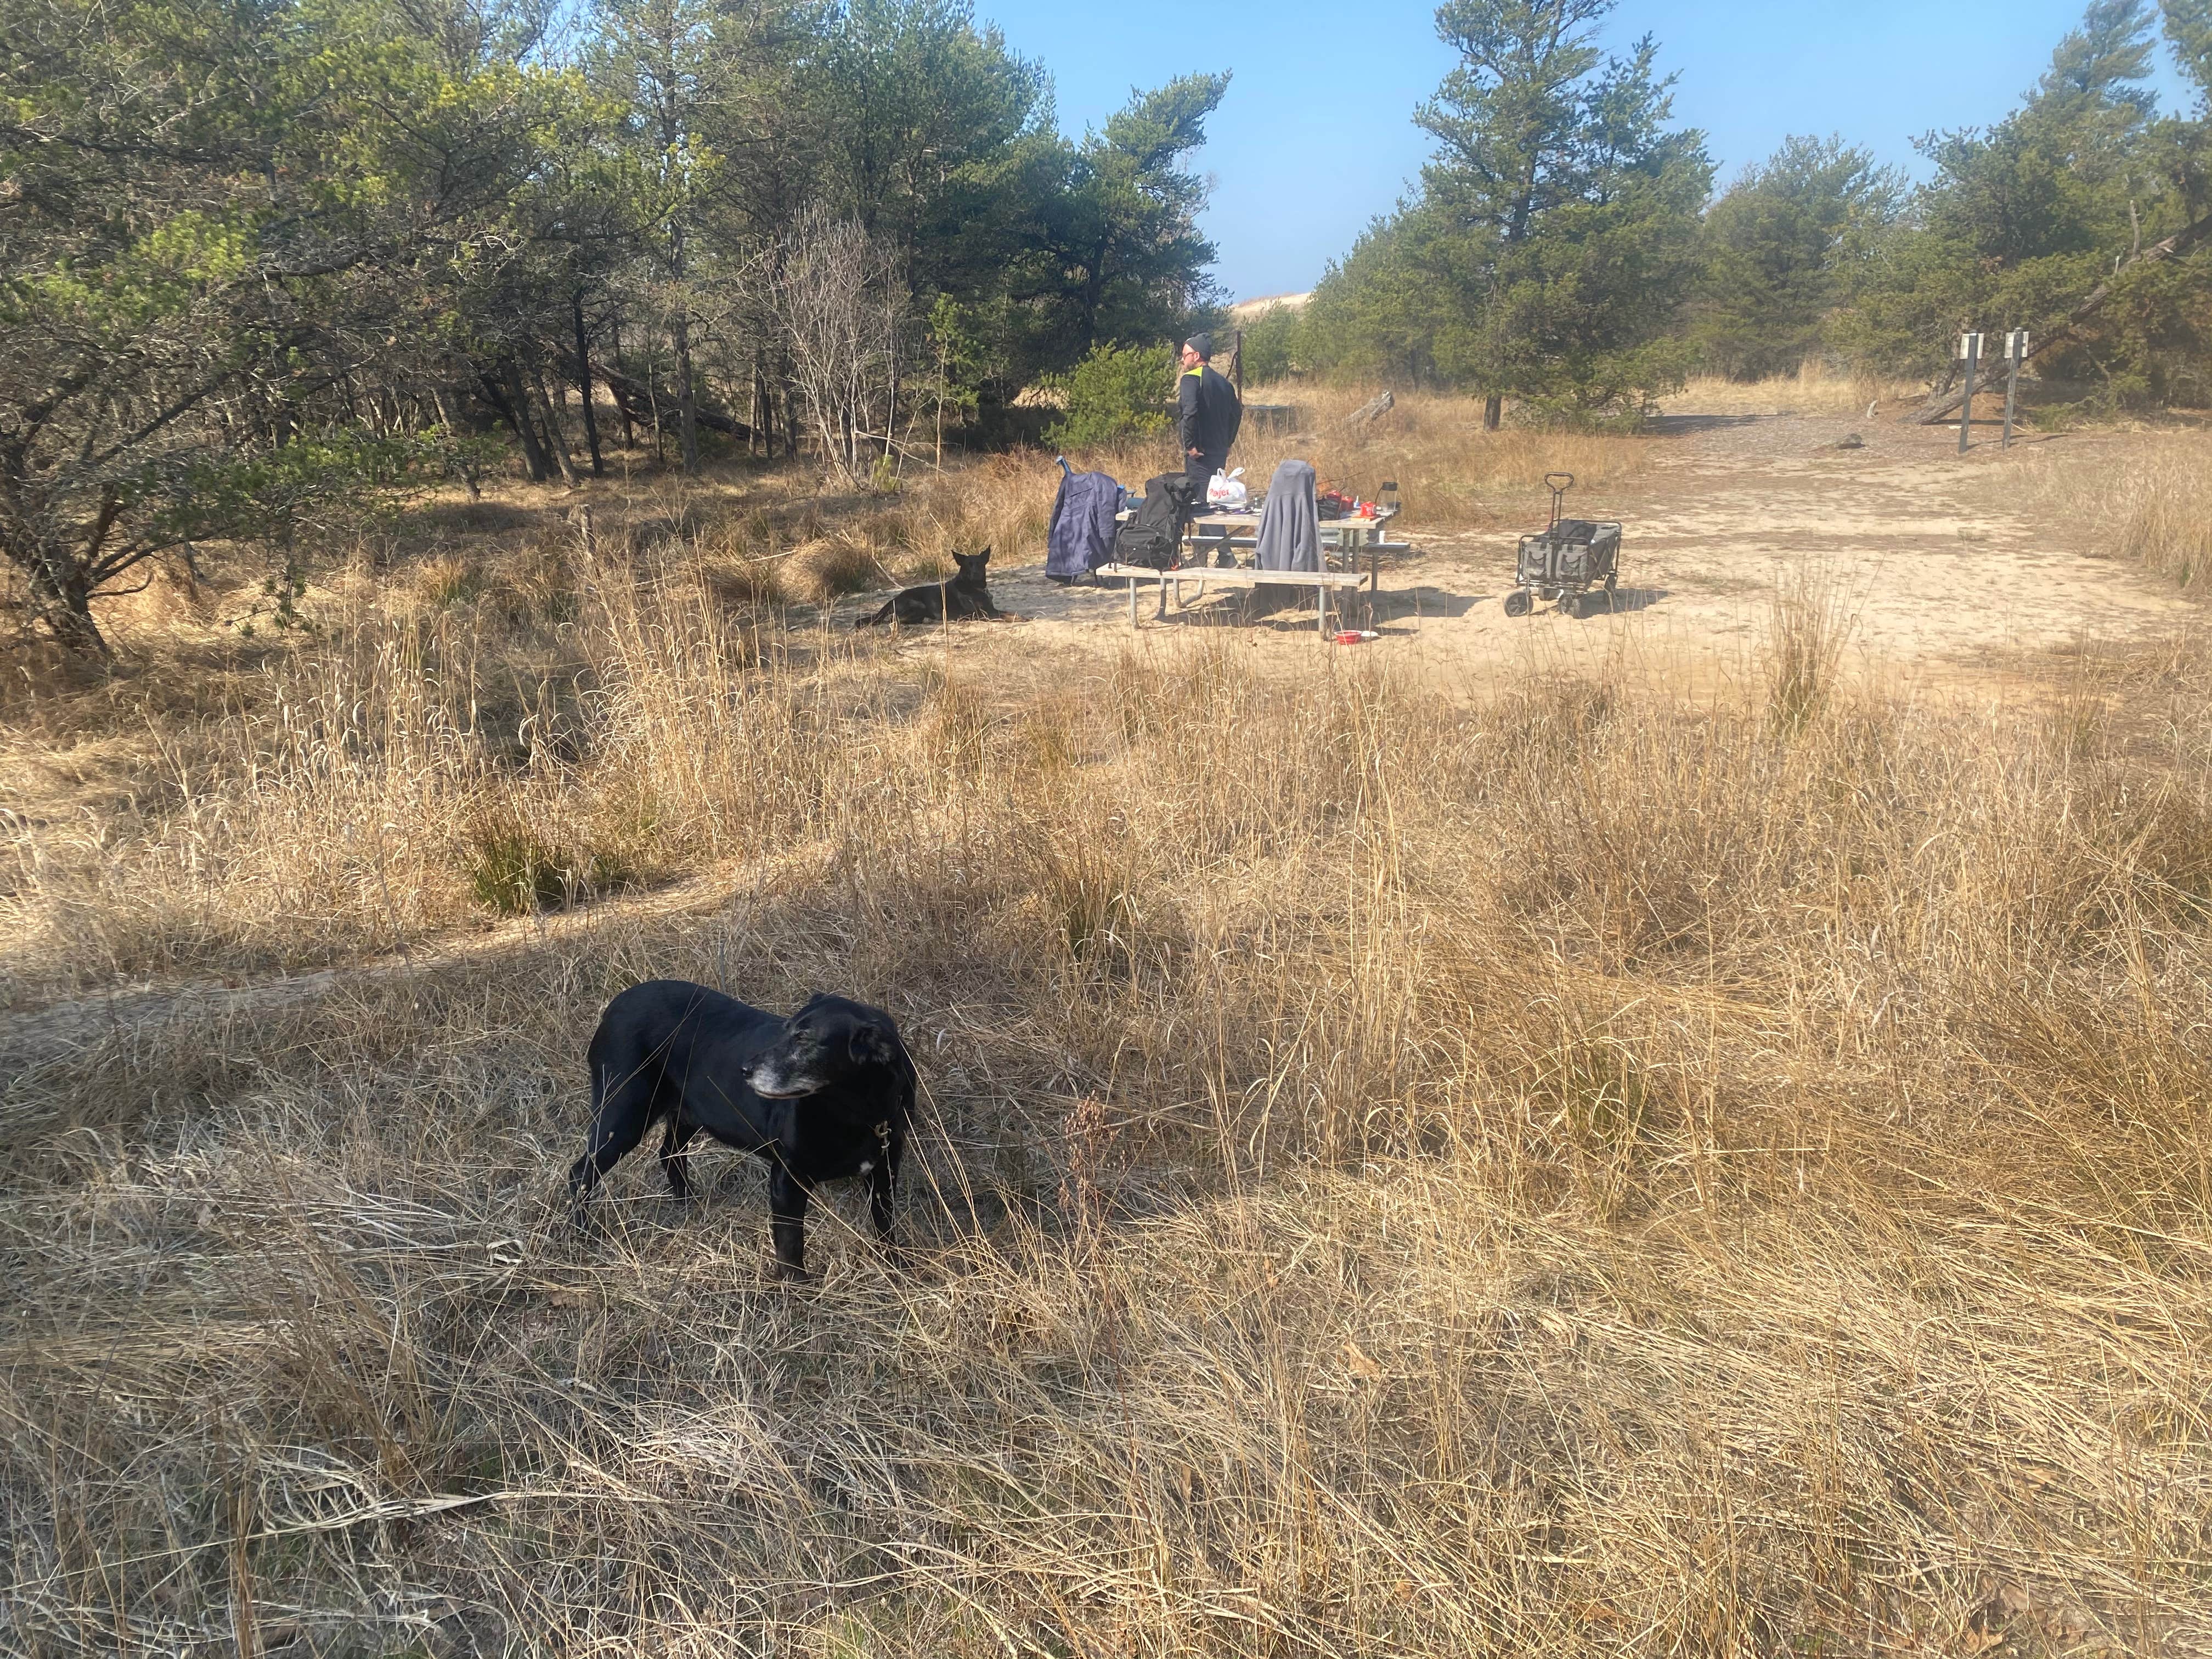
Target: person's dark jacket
1210, 413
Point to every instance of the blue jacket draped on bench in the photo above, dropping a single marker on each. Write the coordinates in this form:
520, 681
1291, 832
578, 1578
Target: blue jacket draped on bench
1081, 538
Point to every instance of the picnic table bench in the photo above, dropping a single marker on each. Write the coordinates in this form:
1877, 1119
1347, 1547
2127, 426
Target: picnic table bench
1322, 581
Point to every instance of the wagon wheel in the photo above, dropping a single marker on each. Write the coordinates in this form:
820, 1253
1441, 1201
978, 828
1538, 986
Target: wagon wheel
1570, 604
1518, 604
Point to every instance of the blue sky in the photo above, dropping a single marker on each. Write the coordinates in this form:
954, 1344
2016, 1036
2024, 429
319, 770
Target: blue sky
1316, 134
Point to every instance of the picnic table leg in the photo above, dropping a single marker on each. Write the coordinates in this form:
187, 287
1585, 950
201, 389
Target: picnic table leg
1321, 607
1132, 601
1162, 612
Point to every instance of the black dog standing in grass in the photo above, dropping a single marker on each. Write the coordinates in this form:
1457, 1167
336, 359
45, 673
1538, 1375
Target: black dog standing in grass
965, 596
828, 1093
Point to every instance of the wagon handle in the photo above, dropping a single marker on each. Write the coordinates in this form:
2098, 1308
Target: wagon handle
1558, 484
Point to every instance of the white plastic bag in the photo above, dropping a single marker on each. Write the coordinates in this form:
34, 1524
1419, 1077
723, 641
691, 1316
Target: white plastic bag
1226, 491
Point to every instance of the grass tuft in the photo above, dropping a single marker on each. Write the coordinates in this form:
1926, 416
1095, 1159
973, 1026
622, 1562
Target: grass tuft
1807, 626
449, 578
2149, 493
752, 584
514, 871
841, 566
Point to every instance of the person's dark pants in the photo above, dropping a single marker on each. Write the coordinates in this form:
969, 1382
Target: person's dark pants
1199, 470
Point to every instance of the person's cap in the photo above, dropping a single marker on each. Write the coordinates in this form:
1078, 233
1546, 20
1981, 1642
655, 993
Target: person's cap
1202, 344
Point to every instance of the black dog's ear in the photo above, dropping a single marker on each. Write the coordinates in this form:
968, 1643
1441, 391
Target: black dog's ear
984, 557
871, 1046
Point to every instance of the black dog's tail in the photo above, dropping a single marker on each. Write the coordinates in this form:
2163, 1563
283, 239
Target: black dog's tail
881, 615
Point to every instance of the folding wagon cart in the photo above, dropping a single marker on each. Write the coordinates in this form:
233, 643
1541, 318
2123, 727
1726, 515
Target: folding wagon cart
1565, 559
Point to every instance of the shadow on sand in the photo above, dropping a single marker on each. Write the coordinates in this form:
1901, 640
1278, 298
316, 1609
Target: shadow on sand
1618, 603
1030, 595
1680, 426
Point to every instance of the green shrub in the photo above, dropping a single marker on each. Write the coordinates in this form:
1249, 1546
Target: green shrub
1117, 392
1274, 343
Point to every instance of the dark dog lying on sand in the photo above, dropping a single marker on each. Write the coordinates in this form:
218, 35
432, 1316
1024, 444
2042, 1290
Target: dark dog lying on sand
823, 1095
965, 596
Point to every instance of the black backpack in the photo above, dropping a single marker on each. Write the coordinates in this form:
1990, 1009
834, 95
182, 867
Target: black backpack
1153, 535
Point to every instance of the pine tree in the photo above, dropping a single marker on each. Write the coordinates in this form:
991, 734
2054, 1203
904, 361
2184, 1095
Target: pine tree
2081, 218
1124, 232
1778, 246
1554, 240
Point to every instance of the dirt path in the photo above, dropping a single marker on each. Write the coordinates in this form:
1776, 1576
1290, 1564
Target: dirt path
33, 1037
1934, 569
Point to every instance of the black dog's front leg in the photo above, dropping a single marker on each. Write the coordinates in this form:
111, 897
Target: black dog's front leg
787, 1220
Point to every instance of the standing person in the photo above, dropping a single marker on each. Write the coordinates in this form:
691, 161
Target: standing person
1210, 415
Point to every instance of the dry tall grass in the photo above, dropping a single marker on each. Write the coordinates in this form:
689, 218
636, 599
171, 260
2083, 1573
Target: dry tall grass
1815, 389
2149, 493
1587, 1174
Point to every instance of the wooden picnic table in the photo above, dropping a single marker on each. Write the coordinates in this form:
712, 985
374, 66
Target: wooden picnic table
1223, 531
1347, 538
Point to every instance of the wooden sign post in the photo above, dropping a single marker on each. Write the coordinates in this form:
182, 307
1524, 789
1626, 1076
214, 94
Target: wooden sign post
1970, 348
2015, 355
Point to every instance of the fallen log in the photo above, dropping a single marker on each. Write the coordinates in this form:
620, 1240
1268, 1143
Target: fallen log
1944, 403
1379, 405
640, 401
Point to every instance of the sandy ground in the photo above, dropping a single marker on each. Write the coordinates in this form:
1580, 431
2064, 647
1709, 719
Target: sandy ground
1941, 578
